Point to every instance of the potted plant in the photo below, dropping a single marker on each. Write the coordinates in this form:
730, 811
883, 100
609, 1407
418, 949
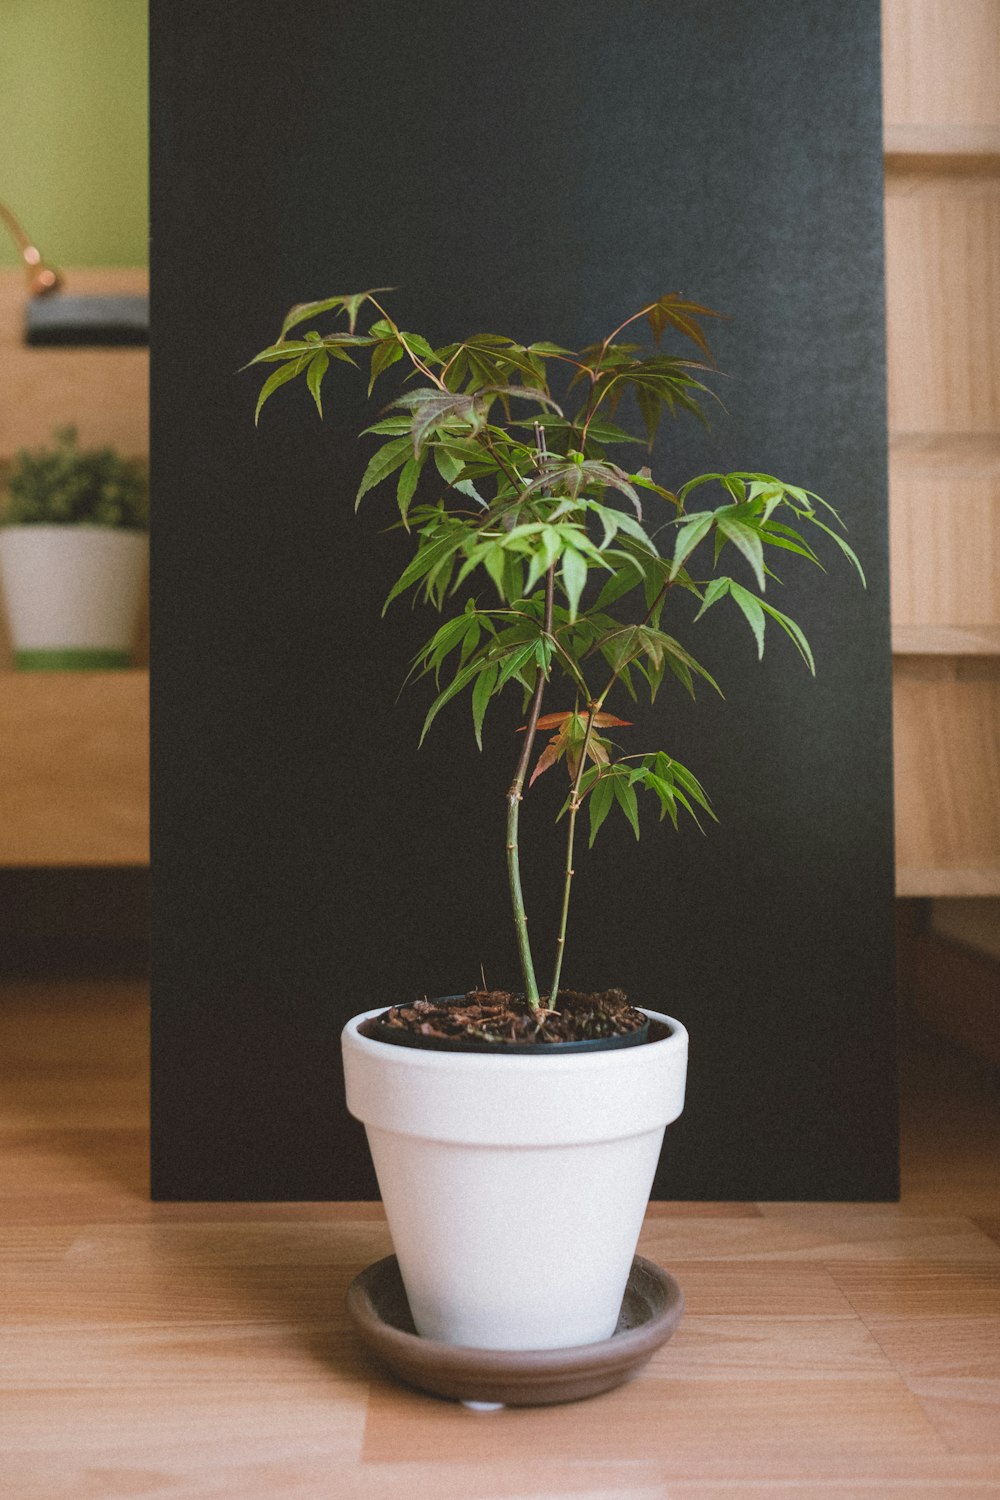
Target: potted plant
73, 555
515, 1136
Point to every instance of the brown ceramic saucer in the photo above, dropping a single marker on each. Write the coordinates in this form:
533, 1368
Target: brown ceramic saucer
651, 1310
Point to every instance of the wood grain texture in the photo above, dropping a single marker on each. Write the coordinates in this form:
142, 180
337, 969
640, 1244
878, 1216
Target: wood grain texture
947, 756
942, 148
74, 774
940, 62
944, 523
943, 303
202, 1351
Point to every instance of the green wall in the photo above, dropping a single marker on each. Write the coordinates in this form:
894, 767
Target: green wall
73, 128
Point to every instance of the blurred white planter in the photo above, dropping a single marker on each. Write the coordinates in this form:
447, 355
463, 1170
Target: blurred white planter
515, 1187
72, 594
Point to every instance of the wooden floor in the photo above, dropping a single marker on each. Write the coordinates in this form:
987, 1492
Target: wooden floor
167, 1350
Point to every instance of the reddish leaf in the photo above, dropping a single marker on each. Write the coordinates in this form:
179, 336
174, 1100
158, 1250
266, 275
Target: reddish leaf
555, 721
548, 757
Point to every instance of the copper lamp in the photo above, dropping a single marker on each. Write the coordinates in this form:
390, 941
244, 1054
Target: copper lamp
53, 317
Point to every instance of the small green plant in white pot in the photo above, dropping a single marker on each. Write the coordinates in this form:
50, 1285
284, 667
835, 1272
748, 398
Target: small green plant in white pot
74, 552
515, 1135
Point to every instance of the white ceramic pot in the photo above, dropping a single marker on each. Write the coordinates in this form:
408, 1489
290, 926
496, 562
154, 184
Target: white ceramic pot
72, 593
515, 1187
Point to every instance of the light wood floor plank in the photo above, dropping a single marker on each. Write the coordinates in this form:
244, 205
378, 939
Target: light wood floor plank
202, 1351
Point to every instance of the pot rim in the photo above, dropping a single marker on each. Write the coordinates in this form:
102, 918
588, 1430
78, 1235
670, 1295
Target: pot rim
544, 1061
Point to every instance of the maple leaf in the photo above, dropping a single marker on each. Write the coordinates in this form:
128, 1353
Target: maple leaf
569, 741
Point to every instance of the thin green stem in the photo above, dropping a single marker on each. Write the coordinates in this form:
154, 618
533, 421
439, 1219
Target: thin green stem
574, 807
593, 710
514, 797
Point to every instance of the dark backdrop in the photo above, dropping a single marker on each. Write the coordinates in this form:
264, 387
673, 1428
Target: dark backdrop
541, 169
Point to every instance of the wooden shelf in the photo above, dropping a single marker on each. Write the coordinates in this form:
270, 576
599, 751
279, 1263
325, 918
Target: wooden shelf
913, 880
945, 455
944, 524
947, 771
74, 773
943, 304
940, 61
942, 148
946, 640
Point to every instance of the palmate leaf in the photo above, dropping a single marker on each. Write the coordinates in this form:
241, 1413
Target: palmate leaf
335, 344
573, 572
351, 303
278, 377
752, 611
462, 678
693, 531
571, 725
626, 798
384, 356
672, 311
559, 477
792, 630
406, 485
318, 366
746, 540
433, 409
601, 799
481, 693
433, 550
383, 462
756, 611
845, 549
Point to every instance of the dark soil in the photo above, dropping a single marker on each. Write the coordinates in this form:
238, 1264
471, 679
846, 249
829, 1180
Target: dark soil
497, 1016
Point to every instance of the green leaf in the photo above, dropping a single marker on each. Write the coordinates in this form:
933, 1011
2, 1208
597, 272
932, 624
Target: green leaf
746, 540
795, 632
716, 590
621, 582
388, 426
845, 549
515, 662
409, 474
318, 366
385, 461
481, 694
418, 345
278, 353
676, 652
753, 611
280, 376
495, 564
384, 355
627, 800
461, 680
574, 577
601, 801
444, 640
689, 535
350, 303
692, 786
606, 432
429, 555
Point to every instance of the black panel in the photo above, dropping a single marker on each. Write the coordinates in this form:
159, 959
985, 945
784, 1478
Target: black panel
540, 169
